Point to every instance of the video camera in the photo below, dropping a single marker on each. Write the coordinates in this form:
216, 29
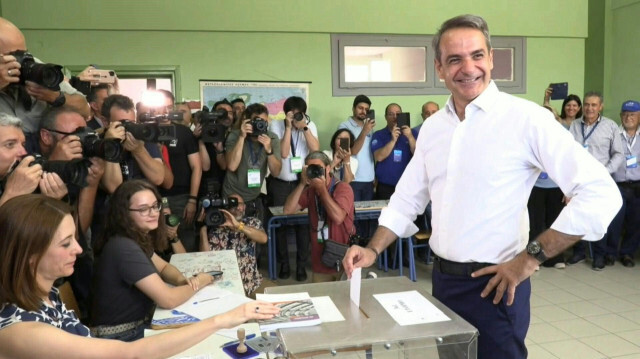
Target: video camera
46, 75
94, 146
212, 131
259, 126
315, 171
212, 205
72, 172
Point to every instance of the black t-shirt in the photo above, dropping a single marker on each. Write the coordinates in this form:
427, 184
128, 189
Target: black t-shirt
130, 167
179, 151
116, 299
212, 179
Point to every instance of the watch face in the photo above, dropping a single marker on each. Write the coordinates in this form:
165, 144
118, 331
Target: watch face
533, 247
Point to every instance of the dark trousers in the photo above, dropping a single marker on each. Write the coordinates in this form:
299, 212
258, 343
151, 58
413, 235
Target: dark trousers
384, 191
545, 205
363, 191
278, 192
631, 203
608, 245
502, 328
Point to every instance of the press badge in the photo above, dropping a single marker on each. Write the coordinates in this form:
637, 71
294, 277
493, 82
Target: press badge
253, 178
543, 175
296, 164
586, 146
397, 155
323, 231
632, 162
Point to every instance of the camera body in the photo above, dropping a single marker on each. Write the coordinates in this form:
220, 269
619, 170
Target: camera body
72, 172
259, 126
212, 131
150, 132
94, 146
212, 205
315, 171
298, 116
46, 75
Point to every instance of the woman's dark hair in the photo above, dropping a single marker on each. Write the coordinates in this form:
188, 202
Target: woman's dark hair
571, 97
28, 224
352, 138
120, 221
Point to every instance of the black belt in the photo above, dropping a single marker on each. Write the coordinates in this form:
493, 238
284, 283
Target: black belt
456, 268
283, 181
628, 183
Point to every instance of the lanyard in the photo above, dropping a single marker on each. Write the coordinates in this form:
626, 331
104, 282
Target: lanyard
294, 144
584, 138
322, 215
630, 140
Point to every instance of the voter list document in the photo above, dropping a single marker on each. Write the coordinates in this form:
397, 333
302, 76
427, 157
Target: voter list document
409, 308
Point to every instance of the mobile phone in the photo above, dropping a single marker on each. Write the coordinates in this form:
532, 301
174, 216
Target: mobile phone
215, 273
371, 114
344, 144
97, 76
560, 90
403, 119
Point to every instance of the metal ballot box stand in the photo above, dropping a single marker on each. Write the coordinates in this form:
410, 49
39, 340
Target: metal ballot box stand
370, 332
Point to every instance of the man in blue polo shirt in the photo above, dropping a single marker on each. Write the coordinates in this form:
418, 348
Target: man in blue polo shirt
392, 148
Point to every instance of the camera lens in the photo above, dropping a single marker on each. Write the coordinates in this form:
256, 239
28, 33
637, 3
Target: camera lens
298, 116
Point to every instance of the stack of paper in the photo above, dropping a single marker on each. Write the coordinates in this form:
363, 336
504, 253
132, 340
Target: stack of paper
296, 310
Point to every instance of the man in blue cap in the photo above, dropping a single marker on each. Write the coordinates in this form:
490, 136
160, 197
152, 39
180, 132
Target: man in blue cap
627, 177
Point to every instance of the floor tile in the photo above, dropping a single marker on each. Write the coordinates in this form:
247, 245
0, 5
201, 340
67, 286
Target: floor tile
613, 323
552, 313
558, 296
583, 309
632, 336
538, 352
544, 333
573, 349
615, 304
579, 328
611, 345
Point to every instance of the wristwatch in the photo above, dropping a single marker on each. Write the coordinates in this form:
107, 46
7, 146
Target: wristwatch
534, 249
59, 101
174, 240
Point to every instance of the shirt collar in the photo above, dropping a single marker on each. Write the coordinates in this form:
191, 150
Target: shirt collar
598, 120
484, 101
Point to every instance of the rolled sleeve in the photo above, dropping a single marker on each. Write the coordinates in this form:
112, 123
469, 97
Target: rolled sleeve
397, 222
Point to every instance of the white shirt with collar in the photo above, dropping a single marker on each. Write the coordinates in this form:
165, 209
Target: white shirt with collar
479, 173
299, 142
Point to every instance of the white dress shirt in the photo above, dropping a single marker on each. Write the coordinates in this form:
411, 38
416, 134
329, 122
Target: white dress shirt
479, 173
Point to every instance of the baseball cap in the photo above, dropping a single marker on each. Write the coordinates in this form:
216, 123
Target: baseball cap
630, 106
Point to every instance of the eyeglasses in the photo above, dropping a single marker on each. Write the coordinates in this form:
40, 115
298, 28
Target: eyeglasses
153, 209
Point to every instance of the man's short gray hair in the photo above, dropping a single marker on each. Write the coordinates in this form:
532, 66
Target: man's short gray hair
10, 120
593, 94
462, 21
318, 155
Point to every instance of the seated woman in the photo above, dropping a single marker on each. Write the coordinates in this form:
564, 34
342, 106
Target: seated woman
241, 234
37, 247
343, 166
129, 276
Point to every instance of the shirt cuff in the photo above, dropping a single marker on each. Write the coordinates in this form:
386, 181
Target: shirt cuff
398, 223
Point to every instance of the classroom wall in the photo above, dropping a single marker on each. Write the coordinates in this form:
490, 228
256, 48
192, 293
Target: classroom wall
624, 72
287, 40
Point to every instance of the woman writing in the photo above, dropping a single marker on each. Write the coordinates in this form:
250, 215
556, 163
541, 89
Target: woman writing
37, 247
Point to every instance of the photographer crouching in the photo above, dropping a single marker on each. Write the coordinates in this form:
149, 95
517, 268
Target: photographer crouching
330, 206
228, 229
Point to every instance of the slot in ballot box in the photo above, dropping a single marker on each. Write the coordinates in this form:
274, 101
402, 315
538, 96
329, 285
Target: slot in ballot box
370, 332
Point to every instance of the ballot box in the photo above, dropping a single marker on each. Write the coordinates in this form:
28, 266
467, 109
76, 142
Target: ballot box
370, 331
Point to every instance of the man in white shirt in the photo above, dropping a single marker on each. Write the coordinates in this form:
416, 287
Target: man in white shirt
298, 137
477, 160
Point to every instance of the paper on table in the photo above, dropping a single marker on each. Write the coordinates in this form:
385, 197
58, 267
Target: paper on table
354, 288
282, 297
326, 309
408, 308
219, 305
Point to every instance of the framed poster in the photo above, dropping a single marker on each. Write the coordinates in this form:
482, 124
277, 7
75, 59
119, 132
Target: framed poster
270, 94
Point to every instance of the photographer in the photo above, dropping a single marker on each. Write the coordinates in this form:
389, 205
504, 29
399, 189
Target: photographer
240, 234
18, 175
97, 95
298, 136
238, 106
141, 160
211, 143
22, 97
249, 151
331, 210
